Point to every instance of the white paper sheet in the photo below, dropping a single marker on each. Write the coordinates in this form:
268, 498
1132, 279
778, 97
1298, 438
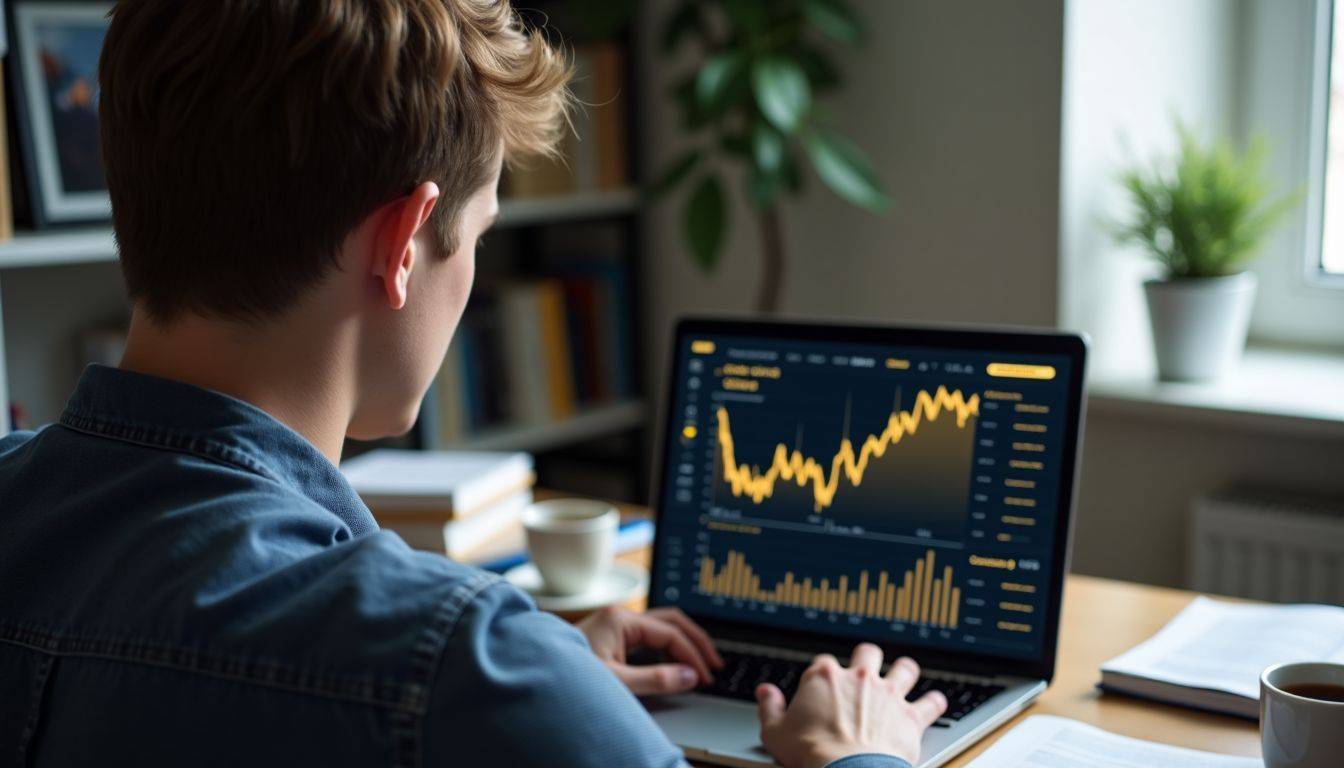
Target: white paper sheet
1225, 646
1044, 741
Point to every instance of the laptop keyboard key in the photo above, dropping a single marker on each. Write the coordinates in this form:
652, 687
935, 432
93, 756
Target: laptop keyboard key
743, 672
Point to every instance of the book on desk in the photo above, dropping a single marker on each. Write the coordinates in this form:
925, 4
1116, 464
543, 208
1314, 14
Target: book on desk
1211, 655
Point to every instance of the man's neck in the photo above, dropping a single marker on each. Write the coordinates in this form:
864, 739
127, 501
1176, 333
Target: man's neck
292, 372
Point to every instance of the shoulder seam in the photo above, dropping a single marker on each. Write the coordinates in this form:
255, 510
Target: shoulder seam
139, 435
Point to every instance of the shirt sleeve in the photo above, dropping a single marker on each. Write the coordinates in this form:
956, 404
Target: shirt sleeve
519, 687
869, 761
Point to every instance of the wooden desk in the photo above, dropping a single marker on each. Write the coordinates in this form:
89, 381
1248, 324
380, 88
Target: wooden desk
1101, 618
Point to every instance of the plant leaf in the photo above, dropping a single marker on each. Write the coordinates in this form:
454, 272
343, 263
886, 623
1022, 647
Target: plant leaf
833, 18
706, 218
715, 81
736, 143
1205, 211
782, 92
751, 17
675, 173
767, 149
763, 189
844, 168
821, 71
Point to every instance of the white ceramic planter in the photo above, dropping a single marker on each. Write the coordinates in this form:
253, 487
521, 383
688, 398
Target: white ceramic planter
1199, 324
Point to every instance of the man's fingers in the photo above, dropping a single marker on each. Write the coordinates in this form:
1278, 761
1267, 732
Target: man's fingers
903, 674
650, 632
769, 704
929, 707
656, 679
695, 632
822, 660
867, 656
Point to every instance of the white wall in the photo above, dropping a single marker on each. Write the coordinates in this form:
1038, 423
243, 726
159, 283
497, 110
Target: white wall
958, 103
1130, 68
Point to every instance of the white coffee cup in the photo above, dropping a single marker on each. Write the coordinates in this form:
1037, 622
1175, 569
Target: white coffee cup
1298, 731
571, 541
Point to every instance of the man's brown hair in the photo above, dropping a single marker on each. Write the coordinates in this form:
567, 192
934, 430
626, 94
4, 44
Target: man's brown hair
244, 139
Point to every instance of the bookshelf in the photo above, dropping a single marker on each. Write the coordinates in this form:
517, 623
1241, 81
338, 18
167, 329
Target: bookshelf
589, 423
95, 244
60, 283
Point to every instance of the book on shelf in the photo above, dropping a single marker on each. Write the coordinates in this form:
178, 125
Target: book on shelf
594, 156
442, 485
6, 181
1211, 655
536, 352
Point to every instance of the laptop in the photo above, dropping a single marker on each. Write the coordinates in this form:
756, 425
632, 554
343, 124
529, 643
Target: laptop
820, 485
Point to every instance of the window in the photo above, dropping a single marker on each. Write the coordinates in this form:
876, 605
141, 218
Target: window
1330, 259
1283, 90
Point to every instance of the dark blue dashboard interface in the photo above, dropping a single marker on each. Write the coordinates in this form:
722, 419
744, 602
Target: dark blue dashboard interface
902, 493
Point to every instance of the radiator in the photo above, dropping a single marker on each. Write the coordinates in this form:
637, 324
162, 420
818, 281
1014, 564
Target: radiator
1267, 547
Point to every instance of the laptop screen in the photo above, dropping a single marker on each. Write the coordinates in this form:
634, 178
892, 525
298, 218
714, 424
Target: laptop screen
888, 491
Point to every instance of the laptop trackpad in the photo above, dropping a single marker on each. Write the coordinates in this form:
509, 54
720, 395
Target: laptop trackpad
708, 726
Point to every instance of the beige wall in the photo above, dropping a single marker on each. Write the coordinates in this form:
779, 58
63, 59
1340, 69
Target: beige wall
958, 103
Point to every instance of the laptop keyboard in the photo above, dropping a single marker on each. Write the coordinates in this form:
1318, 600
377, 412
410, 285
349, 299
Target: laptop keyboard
742, 672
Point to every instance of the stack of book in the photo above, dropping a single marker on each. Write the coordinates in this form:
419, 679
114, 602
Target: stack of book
535, 352
467, 505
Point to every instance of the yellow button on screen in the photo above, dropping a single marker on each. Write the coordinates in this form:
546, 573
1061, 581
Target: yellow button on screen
1018, 371
702, 347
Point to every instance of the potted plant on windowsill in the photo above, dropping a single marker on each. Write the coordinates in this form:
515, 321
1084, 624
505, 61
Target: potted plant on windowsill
1203, 218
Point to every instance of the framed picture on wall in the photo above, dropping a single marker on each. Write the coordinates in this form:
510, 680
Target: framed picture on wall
55, 48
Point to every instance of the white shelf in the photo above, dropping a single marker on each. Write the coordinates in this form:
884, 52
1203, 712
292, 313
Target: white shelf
1272, 390
597, 421
86, 246
66, 246
581, 205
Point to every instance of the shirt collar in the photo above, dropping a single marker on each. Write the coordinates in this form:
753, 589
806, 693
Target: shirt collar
170, 414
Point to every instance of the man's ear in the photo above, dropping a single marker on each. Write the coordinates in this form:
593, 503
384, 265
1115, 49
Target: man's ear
395, 248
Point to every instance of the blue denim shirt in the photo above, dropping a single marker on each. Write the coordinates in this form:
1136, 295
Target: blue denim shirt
185, 580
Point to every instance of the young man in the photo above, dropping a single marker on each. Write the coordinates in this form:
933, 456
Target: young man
185, 578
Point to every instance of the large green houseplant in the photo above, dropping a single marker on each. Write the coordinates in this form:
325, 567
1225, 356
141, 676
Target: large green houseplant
749, 101
1203, 215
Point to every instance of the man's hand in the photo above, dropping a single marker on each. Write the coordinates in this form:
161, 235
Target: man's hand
839, 712
615, 632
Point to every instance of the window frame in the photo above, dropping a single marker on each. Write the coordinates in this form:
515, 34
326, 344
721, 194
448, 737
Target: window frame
1279, 91
1314, 271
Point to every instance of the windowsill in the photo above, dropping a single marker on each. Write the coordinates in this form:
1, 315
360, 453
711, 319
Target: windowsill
1274, 389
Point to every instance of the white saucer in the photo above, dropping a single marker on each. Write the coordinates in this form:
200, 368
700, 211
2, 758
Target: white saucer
622, 583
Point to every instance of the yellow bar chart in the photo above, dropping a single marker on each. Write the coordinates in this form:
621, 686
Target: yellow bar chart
921, 595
